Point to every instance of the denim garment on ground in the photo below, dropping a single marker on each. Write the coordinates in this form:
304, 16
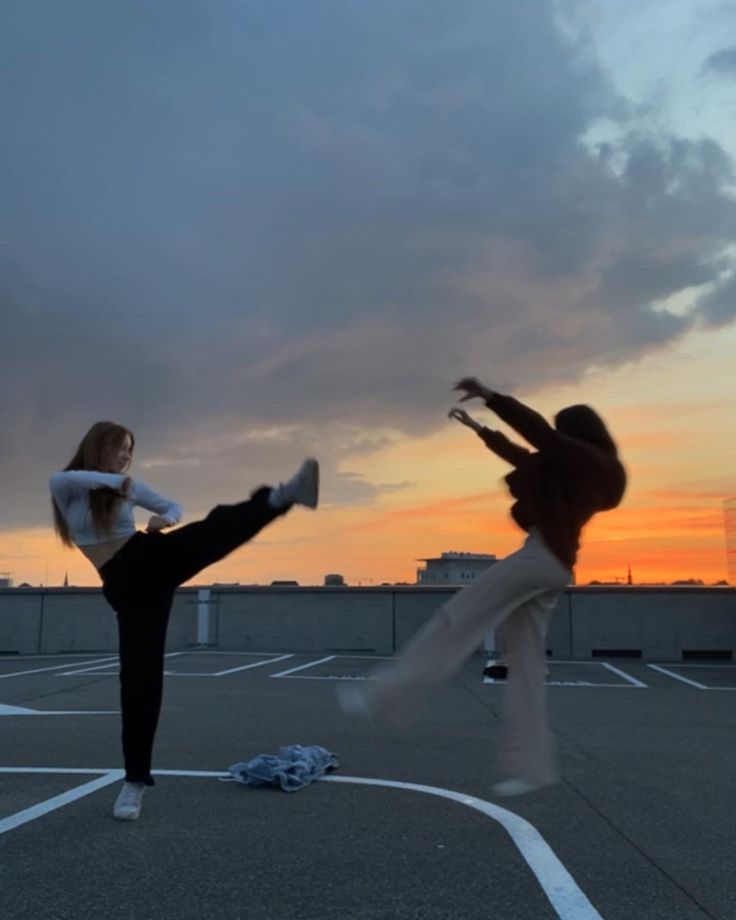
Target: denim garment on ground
293, 768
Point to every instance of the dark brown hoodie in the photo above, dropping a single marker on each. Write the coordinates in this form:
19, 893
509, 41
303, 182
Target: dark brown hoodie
560, 486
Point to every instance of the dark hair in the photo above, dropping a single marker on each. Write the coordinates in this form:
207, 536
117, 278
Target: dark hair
585, 424
91, 454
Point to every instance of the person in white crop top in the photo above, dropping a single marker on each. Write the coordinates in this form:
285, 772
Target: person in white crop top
93, 499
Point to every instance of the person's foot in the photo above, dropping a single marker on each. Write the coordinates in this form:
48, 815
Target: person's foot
509, 787
128, 804
496, 671
301, 489
352, 700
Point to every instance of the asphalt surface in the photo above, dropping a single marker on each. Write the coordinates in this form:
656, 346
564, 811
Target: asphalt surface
640, 827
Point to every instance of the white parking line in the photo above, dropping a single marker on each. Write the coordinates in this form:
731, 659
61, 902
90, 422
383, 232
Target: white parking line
104, 667
563, 893
332, 677
685, 680
244, 667
628, 677
56, 667
719, 665
7, 710
309, 664
58, 801
631, 682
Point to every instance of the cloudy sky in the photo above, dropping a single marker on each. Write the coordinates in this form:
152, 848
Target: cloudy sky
257, 230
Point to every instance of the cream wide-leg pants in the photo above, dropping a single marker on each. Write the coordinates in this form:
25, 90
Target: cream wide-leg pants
520, 591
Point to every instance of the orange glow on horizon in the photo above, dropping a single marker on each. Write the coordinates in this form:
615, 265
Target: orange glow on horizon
664, 536
669, 413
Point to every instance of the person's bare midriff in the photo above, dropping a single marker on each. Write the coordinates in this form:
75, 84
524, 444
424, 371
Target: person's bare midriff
100, 553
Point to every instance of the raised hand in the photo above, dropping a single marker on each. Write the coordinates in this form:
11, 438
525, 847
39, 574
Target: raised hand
474, 389
462, 416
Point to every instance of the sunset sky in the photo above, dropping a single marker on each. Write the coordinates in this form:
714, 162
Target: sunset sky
257, 231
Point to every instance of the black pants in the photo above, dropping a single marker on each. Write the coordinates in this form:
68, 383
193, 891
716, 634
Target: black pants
139, 584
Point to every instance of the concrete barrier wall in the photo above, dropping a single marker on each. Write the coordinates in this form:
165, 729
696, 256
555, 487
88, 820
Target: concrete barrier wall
55, 620
654, 624
302, 620
21, 621
664, 624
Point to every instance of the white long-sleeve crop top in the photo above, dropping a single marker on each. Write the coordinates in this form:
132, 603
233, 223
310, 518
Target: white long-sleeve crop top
70, 490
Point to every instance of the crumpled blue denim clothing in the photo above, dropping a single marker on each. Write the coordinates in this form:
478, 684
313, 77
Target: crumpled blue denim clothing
293, 768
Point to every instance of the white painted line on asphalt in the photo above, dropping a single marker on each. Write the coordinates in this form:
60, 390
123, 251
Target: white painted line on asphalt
7, 710
721, 666
256, 664
105, 667
685, 680
328, 677
196, 652
102, 670
571, 683
245, 667
631, 682
706, 667
71, 771
628, 677
58, 801
563, 893
578, 663
309, 664
46, 655
56, 667
335, 676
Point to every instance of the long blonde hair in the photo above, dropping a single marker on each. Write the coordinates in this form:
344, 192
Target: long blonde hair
93, 450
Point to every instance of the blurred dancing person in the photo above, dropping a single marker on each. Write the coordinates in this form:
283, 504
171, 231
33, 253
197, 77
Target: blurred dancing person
572, 472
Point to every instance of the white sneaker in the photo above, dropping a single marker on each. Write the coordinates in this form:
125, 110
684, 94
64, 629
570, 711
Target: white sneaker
509, 787
128, 804
301, 489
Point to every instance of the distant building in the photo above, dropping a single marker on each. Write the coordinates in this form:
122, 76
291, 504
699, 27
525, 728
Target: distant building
334, 579
453, 568
729, 512
5, 580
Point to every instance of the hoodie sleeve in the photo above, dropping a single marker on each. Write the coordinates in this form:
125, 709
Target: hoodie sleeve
504, 448
532, 426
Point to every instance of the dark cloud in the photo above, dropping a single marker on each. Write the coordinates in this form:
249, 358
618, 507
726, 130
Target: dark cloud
256, 231
722, 63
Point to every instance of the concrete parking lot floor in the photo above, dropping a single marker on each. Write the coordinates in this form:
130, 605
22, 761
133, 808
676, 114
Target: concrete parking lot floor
640, 827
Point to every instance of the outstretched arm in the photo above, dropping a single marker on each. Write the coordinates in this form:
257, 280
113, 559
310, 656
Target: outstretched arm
529, 423
494, 440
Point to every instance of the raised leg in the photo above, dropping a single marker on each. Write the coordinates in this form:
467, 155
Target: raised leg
183, 553
452, 635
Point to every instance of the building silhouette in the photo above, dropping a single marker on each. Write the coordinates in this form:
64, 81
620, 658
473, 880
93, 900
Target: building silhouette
453, 568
